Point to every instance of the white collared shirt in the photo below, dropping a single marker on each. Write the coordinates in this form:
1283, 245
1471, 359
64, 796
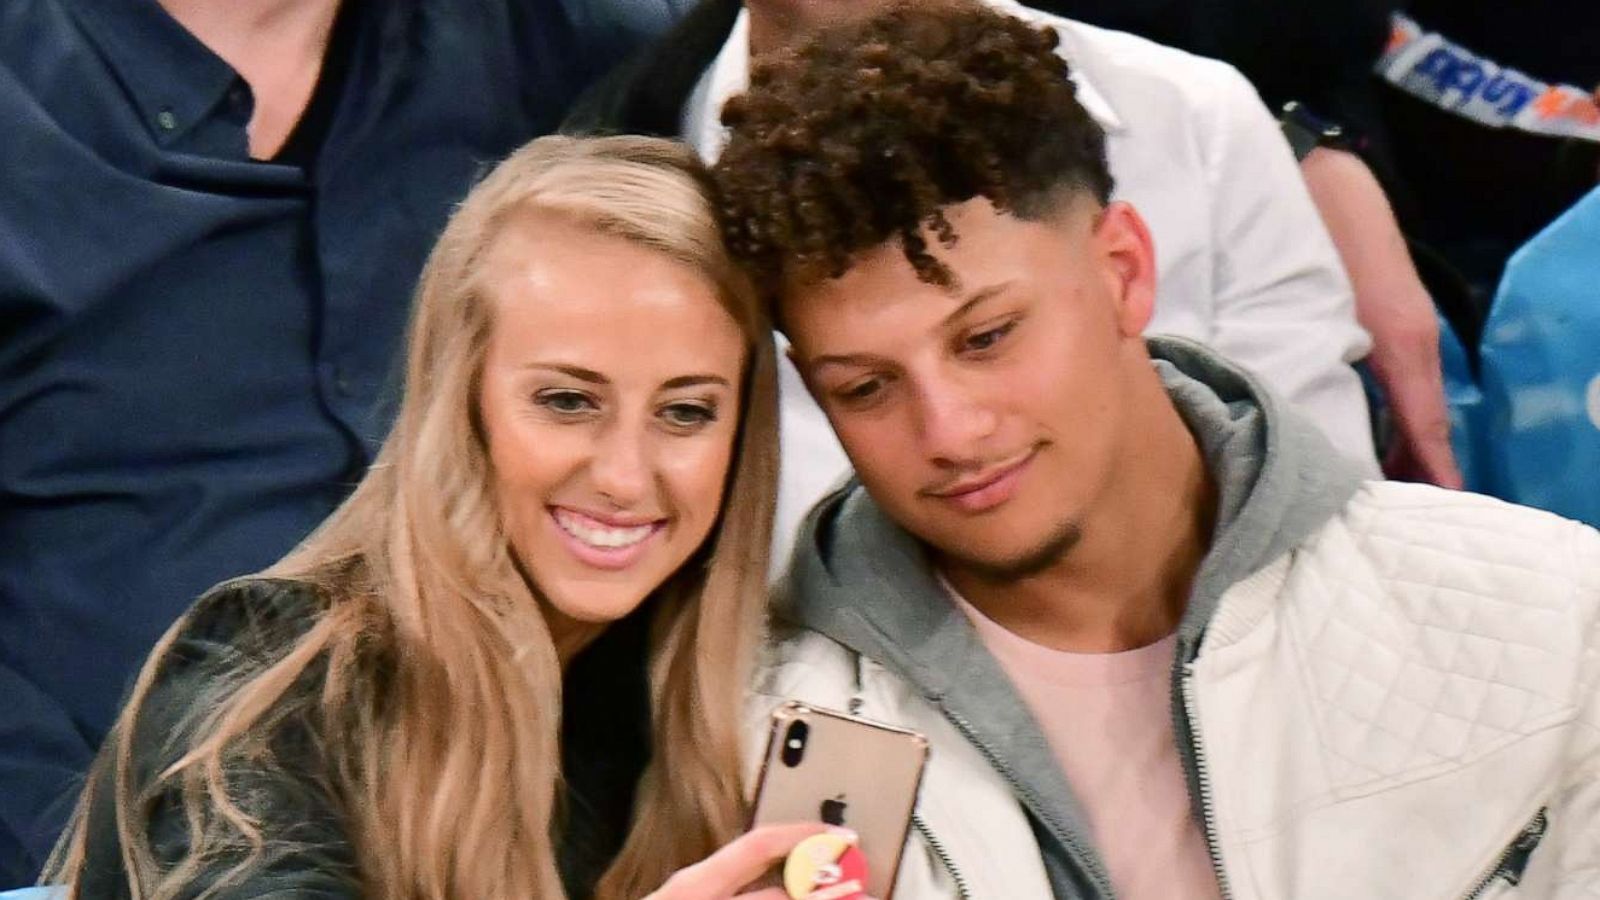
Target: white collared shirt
1244, 262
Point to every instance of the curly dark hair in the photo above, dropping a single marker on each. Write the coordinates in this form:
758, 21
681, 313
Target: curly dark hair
868, 131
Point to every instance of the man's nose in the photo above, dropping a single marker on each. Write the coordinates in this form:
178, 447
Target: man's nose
955, 421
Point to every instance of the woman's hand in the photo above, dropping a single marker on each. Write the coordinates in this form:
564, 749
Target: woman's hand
722, 874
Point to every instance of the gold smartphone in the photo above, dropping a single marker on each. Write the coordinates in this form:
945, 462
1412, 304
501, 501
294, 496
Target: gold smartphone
843, 770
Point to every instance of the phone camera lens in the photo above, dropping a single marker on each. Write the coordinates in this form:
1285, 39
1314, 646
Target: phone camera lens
794, 744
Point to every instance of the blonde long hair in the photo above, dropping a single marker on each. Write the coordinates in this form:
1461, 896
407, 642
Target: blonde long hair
446, 755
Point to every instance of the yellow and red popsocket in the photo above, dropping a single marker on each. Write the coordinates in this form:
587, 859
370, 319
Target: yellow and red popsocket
826, 867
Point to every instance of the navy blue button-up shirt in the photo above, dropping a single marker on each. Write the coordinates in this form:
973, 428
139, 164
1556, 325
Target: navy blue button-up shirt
197, 349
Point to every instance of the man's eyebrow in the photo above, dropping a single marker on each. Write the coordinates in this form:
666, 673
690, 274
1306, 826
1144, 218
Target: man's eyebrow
977, 297
844, 359
867, 359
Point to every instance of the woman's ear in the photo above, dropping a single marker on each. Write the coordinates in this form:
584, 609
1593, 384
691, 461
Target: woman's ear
1126, 248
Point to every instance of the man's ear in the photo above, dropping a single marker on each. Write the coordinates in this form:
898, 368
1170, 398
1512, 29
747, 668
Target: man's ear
1124, 244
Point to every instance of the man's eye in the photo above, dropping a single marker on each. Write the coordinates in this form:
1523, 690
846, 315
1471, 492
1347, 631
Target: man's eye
984, 340
565, 402
689, 415
860, 391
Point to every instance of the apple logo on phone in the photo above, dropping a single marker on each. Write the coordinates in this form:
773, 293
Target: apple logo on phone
833, 810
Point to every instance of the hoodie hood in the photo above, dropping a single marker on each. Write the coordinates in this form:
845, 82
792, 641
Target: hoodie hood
859, 579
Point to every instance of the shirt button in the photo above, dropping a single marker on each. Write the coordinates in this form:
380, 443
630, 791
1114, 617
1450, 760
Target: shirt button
166, 120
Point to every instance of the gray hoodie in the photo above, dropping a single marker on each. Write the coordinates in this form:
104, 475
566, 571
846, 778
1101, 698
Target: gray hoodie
859, 579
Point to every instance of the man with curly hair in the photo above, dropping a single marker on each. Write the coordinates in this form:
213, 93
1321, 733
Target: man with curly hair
1165, 641
1246, 263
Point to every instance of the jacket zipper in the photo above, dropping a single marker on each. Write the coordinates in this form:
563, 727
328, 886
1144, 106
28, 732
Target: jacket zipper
1207, 820
937, 846
1526, 841
1073, 844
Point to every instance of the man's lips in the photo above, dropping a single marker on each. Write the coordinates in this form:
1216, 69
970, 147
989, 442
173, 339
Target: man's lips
988, 489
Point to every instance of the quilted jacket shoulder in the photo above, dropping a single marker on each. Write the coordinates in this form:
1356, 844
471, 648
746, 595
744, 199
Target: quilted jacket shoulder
1391, 708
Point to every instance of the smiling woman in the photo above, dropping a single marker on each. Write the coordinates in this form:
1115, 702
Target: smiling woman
576, 497
610, 408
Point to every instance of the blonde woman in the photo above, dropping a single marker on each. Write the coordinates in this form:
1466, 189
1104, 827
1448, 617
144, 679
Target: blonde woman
510, 666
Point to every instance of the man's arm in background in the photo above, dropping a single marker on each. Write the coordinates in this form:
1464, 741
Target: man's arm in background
43, 760
1393, 305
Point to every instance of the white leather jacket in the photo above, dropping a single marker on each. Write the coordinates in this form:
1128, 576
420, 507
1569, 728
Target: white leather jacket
1399, 700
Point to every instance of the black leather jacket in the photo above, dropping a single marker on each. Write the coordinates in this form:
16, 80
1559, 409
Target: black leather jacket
241, 625
299, 802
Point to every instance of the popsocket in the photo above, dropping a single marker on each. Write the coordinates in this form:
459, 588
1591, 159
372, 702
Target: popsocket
826, 867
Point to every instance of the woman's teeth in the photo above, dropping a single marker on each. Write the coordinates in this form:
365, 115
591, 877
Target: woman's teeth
605, 537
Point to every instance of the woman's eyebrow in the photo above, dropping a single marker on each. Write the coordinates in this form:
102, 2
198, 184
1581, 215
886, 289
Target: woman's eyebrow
578, 372
683, 381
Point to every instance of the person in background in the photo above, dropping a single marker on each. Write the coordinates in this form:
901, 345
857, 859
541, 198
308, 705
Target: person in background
1319, 52
1164, 641
1482, 190
613, 27
512, 663
1319, 55
1247, 265
213, 217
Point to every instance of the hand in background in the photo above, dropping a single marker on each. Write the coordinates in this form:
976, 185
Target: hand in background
1394, 307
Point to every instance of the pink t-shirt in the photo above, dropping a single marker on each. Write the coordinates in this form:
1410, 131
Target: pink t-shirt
1108, 718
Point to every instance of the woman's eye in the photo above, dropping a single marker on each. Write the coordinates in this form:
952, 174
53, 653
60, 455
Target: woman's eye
689, 415
985, 340
565, 402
